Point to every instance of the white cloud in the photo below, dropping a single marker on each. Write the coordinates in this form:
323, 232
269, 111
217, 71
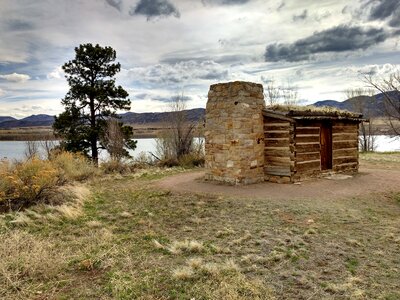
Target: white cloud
182, 72
15, 77
57, 73
375, 69
207, 44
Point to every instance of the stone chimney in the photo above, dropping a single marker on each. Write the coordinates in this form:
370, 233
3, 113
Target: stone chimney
234, 135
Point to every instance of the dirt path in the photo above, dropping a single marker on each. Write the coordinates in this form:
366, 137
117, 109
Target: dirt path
369, 180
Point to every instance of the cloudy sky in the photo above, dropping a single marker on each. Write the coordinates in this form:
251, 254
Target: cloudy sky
170, 47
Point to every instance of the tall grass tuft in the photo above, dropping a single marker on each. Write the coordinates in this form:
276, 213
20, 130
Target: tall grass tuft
73, 166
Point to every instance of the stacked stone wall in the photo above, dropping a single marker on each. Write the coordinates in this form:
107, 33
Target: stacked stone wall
234, 135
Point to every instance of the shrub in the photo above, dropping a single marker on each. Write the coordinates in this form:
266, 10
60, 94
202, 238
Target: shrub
26, 183
115, 166
73, 166
191, 160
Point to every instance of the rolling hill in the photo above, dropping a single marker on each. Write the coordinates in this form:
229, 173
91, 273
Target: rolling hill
370, 107
129, 117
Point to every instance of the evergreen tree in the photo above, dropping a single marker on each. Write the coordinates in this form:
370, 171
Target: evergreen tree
92, 98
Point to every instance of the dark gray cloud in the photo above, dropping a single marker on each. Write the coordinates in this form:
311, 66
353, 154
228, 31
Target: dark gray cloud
182, 72
225, 2
337, 39
385, 10
18, 25
154, 9
117, 4
162, 98
301, 17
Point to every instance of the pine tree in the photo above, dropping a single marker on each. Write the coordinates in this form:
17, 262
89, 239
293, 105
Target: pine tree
92, 98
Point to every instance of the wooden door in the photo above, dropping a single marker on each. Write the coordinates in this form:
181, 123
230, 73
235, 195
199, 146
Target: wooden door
326, 146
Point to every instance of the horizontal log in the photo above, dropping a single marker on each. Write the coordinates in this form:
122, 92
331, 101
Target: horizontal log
278, 161
307, 138
345, 129
345, 160
345, 152
277, 142
277, 134
270, 120
307, 130
345, 136
308, 156
285, 127
307, 147
345, 144
278, 153
313, 165
277, 171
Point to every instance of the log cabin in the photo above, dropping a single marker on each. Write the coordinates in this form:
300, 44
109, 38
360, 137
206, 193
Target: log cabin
247, 142
302, 142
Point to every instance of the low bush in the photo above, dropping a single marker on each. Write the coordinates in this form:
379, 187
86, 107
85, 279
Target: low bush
191, 160
115, 166
26, 183
73, 166
34, 180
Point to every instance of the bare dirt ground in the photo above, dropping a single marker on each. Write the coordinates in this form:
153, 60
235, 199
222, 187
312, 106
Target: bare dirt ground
370, 179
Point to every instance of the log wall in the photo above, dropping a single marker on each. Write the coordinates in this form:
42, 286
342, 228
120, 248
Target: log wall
279, 158
308, 156
345, 146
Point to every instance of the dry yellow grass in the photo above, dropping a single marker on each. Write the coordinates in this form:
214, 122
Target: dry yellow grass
180, 246
26, 262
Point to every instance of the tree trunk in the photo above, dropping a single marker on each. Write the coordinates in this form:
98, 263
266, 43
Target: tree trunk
93, 135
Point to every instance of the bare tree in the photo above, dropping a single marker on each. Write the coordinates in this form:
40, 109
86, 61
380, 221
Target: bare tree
272, 93
113, 140
182, 129
31, 149
290, 95
177, 140
361, 100
48, 144
390, 88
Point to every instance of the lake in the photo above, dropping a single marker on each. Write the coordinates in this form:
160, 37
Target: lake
16, 149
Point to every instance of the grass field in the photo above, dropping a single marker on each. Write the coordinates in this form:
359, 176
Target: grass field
123, 239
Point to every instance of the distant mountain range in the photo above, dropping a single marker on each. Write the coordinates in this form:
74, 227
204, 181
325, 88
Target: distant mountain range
129, 117
371, 107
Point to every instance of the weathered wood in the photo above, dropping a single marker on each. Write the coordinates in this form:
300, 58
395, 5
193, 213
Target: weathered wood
345, 136
277, 142
277, 134
307, 130
345, 129
279, 163
269, 127
277, 116
307, 147
277, 171
277, 151
313, 165
274, 159
326, 146
345, 160
345, 144
345, 152
307, 138
303, 157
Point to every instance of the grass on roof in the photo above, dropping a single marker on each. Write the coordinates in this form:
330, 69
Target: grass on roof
323, 110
